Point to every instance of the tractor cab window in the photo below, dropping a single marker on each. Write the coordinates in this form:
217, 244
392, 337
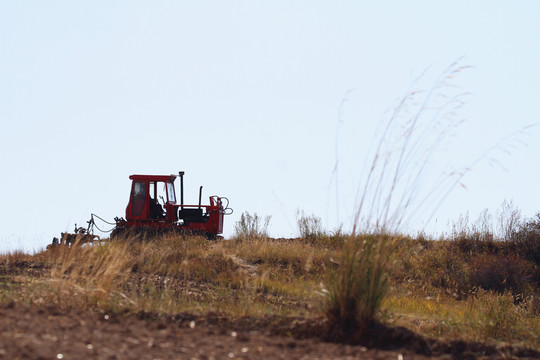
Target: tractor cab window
170, 192
138, 198
139, 189
156, 201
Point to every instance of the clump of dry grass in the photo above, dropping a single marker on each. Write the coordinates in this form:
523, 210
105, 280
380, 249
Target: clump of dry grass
356, 289
390, 195
309, 226
251, 227
88, 276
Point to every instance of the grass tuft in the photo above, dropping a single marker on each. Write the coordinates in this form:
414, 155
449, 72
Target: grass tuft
357, 288
251, 227
390, 194
309, 226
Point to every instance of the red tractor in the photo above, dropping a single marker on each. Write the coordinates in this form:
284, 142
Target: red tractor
153, 208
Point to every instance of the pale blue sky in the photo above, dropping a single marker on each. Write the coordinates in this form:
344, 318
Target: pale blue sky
244, 96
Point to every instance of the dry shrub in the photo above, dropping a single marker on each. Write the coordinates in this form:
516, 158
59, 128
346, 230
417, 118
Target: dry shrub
528, 239
474, 243
442, 267
463, 265
501, 273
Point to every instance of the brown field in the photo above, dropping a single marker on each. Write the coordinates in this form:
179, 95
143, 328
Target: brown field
468, 296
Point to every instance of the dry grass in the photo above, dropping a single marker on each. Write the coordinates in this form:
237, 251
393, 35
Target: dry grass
392, 191
486, 316
358, 286
172, 274
261, 277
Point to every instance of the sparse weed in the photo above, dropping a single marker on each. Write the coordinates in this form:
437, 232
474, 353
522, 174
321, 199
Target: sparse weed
251, 227
309, 227
509, 220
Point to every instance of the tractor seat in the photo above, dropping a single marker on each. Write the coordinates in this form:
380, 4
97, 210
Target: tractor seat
156, 210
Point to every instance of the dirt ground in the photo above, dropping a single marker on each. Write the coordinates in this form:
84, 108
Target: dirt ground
32, 333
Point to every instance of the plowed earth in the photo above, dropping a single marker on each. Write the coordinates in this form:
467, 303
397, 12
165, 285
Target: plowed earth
45, 333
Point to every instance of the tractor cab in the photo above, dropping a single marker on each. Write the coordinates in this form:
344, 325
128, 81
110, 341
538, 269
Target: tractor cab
152, 198
153, 205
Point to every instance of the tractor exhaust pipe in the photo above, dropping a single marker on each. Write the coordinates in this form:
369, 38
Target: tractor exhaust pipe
181, 174
200, 196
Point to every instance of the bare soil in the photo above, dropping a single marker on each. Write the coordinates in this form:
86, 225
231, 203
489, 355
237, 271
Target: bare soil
46, 333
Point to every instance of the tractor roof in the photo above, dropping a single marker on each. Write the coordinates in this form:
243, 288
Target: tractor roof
165, 178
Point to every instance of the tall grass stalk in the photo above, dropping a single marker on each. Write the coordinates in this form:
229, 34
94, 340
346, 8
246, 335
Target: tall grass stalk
392, 192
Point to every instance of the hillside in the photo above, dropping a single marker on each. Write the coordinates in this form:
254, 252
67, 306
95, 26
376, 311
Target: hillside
257, 297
